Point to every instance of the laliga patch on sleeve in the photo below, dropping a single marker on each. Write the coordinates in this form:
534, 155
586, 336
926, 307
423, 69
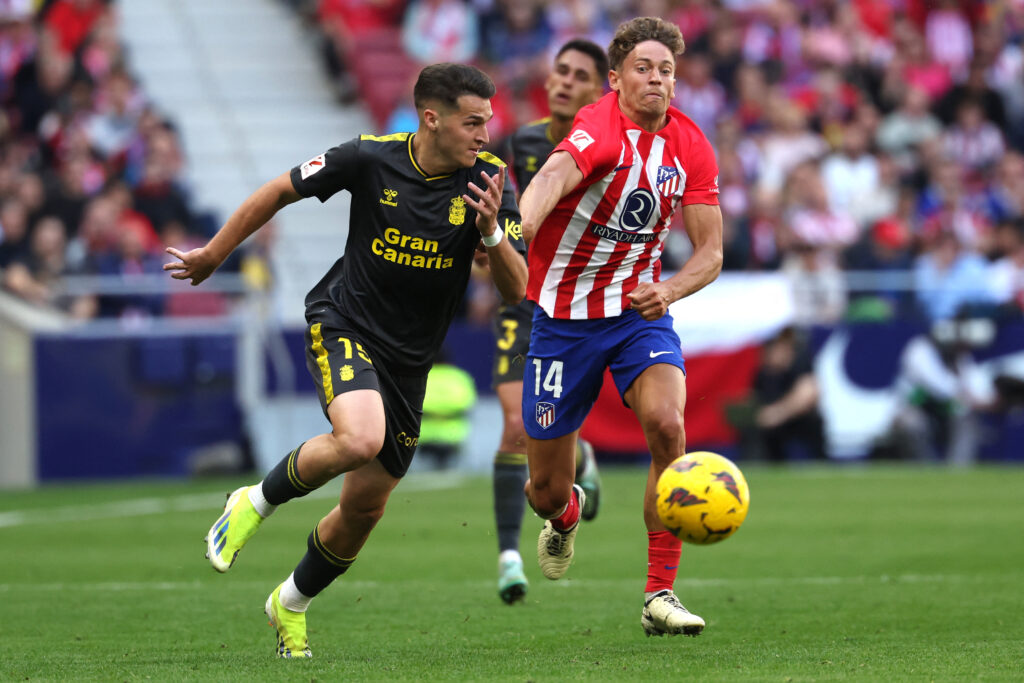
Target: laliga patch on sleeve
581, 139
312, 166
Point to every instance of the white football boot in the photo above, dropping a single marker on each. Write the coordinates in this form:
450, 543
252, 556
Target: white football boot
554, 548
664, 615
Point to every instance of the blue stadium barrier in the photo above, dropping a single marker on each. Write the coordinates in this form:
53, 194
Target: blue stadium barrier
118, 407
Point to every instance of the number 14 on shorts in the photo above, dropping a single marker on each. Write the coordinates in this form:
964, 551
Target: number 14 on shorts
552, 379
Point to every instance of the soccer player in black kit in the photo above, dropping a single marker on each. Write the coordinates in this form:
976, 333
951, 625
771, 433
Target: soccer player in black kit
422, 204
576, 79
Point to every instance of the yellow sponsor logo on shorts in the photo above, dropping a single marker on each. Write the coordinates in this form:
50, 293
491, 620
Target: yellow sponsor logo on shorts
346, 373
404, 439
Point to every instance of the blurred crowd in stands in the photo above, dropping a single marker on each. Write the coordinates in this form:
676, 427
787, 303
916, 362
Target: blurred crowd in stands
853, 137
91, 174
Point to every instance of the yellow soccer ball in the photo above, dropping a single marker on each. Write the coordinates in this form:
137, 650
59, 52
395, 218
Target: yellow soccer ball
702, 498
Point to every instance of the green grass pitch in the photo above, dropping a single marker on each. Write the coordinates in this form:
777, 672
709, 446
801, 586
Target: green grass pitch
839, 573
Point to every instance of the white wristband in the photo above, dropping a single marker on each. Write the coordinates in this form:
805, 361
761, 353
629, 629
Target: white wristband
494, 238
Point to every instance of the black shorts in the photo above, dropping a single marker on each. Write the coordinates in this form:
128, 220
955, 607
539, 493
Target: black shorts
512, 340
340, 361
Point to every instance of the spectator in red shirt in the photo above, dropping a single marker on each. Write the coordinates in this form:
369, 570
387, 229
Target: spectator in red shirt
72, 20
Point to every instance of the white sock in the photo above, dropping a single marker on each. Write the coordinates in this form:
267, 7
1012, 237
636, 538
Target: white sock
263, 508
291, 598
509, 555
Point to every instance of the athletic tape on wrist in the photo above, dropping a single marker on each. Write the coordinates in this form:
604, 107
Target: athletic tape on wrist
494, 238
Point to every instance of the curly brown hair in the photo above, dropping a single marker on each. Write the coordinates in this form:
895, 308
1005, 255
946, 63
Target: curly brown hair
635, 31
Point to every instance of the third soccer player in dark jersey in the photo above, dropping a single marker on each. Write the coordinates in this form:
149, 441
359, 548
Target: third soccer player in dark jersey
421, 205
576, 79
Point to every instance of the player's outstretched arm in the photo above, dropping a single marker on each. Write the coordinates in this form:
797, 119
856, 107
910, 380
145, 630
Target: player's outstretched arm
508, 269
256, 211
556, 178
704, 226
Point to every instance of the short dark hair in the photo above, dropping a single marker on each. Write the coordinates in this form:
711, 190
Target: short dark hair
446, 83
590, 49
635, 31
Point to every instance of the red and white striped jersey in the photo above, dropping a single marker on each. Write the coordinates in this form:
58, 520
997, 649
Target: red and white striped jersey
607, 235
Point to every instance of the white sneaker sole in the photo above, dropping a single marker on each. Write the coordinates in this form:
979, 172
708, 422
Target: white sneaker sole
652, 629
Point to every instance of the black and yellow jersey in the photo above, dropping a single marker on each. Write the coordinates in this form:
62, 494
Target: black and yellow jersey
529, 147
410, 243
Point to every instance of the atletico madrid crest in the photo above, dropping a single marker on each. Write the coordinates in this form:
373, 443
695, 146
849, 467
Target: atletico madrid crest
668, 180
545, 414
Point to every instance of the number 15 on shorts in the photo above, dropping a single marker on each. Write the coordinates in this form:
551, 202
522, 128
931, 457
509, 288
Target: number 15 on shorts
552, 378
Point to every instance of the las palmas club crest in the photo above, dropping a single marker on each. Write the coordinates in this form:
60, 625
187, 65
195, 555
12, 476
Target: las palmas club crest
668, 180
545, 414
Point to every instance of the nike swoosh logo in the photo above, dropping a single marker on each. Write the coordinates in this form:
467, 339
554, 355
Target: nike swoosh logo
623, 168
659, 353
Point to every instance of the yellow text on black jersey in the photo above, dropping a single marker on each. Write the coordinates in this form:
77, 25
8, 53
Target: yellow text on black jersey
402, 249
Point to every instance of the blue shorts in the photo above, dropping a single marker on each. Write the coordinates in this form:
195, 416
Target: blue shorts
565, 365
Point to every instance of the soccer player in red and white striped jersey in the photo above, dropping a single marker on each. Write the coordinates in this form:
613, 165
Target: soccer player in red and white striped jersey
606, 235
596, 216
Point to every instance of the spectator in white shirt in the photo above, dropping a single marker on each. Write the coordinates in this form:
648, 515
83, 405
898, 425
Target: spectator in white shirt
851, 176
909, 126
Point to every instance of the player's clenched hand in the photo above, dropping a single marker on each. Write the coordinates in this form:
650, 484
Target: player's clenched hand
195, 265
488, 201
649, 300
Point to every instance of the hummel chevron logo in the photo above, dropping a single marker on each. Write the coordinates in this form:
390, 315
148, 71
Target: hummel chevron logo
659, 353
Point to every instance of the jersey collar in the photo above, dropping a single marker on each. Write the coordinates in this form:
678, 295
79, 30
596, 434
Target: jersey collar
412, 158
547, 131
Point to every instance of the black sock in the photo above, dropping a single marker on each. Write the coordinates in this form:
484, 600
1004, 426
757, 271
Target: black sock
319, 567
510, 474
282, 483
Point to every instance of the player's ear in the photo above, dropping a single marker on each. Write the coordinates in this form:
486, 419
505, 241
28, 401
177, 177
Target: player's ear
613, 80
431, 119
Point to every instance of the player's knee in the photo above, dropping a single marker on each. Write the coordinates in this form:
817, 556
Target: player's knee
355, 449
513, 434
666, 426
